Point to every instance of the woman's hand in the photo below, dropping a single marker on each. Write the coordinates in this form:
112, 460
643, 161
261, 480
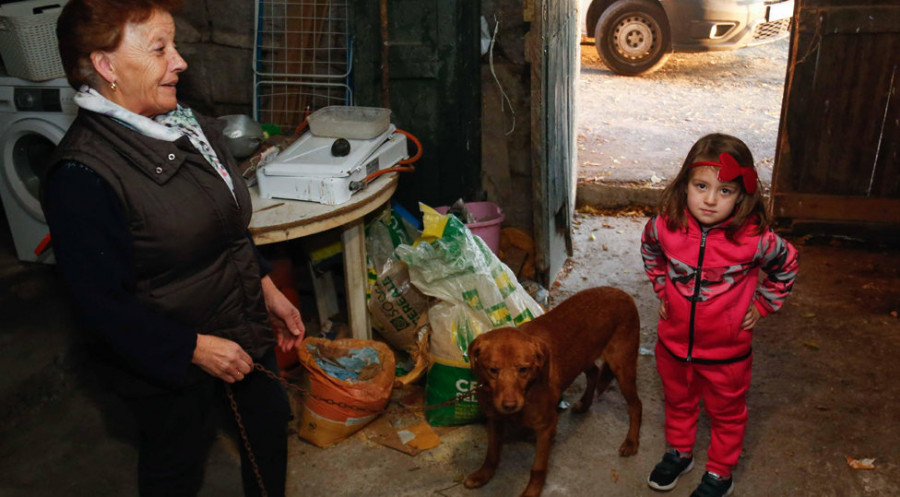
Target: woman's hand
662, 310
222, 358
285, 317
751, 317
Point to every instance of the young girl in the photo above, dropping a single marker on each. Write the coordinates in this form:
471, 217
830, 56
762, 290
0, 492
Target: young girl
703, 253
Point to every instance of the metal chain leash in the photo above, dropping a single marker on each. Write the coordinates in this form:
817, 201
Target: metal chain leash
250, 456
290, 386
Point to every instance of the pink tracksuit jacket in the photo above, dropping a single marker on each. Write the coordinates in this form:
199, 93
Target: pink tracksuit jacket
708, 282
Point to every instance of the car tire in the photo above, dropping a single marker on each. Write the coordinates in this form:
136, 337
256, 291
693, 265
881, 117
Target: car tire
633, 37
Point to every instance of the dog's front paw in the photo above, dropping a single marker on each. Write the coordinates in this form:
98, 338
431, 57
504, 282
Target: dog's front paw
535, 484
479, 478
628, 448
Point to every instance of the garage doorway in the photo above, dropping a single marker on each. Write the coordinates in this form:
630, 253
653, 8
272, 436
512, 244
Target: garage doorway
633, 132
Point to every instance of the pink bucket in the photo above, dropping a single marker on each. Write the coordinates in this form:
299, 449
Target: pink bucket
488, 217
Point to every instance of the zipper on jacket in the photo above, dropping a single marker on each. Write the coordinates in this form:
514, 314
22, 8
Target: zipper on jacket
697, 279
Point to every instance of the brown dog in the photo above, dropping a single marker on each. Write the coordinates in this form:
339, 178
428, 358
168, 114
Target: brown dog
525, 370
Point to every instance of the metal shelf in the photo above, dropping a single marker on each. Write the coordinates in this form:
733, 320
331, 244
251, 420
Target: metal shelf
302, 60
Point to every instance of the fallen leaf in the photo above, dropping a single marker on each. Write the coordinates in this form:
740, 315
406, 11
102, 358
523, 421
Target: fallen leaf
592, 237
861, 463
607, 248
808, 315
811, 345
614, 475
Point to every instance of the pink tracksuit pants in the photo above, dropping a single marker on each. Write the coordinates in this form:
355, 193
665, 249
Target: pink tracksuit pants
723, 388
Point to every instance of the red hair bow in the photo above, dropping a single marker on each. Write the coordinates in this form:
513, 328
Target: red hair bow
729, 170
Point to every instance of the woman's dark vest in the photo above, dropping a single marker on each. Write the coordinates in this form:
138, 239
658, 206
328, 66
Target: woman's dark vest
193, 260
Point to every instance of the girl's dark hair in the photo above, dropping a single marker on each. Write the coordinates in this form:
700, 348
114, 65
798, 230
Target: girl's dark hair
85, 26
673, 205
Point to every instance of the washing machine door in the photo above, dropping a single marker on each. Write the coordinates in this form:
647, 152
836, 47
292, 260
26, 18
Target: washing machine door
27, 146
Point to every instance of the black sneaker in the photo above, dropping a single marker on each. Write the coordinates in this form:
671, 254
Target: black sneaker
713, 485
665, 475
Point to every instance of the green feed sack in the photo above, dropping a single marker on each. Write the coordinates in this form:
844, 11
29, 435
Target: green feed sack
445, 383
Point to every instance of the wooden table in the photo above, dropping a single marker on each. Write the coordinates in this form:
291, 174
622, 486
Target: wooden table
277, 220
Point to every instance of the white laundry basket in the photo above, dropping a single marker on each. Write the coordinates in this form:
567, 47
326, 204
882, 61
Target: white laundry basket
28, 43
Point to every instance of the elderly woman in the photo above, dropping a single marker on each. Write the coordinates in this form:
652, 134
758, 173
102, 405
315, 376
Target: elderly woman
149, 218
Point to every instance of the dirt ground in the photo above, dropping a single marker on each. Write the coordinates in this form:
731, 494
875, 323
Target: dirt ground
638, 130
824, 374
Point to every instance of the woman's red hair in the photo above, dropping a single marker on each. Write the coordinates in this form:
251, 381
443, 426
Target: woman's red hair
86, 26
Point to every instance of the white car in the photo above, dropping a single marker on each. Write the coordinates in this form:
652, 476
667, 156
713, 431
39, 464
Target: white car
635, 37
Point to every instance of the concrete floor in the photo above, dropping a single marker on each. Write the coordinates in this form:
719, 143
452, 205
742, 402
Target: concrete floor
61, 436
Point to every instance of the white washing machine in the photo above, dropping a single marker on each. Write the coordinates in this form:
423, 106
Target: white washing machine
34, 117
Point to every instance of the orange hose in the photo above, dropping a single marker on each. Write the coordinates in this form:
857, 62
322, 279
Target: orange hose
400, 169
418, 146
43, 245
305, 122
301, 127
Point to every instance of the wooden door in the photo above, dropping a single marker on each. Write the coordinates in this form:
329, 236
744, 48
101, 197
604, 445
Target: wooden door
554, 67
838, 158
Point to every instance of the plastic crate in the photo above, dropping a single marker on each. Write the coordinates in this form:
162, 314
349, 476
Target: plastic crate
28, 43
354, 123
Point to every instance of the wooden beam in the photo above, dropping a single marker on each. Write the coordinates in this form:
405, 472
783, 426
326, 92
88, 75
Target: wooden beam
837, 208
860, 19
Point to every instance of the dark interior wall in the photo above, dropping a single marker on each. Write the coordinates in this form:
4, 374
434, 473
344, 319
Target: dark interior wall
506, 124
434, 80
215, 37
477, 145
433, 90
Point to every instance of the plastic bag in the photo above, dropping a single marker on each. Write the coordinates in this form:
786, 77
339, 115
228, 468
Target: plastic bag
476, 293
399, 311
323, 423
384, 234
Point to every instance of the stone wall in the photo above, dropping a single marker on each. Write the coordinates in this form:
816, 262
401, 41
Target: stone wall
507, 176
215, 37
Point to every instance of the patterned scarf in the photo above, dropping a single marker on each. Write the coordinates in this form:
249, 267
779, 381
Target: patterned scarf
167, 127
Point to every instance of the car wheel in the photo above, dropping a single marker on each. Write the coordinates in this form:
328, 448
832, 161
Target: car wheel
633, 37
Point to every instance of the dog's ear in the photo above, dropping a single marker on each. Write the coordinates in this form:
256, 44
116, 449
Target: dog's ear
474, 351
542, 358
